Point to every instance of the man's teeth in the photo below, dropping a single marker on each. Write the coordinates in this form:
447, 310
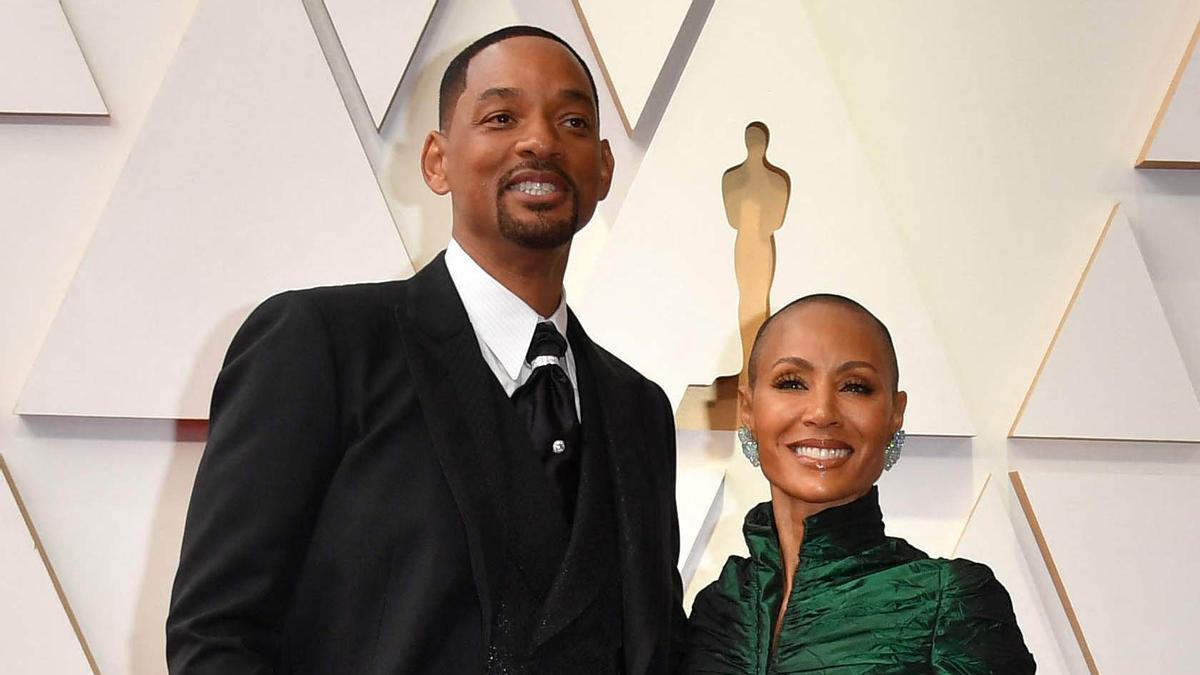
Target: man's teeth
534, 188
821, 453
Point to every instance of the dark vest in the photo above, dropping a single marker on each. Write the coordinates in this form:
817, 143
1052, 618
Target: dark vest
558, 607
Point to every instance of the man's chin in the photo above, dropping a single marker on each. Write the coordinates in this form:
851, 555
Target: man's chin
538, 234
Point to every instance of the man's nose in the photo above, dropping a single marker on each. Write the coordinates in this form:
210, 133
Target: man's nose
539, 140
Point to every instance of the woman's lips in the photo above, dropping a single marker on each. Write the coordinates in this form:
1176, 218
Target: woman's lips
821, 453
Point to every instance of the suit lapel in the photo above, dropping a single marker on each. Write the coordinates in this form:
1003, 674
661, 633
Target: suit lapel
591, 550
644, 596
450, 378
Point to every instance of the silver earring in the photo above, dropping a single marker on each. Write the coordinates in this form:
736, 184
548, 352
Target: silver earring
891, 454
749, 445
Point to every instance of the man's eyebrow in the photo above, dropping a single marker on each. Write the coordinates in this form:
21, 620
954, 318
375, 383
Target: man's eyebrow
499, 92
578, 95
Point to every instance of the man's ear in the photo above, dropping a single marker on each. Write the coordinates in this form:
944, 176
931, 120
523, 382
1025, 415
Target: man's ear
433, 162
606, 169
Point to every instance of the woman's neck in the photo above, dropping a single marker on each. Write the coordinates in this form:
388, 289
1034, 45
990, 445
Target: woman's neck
790, 514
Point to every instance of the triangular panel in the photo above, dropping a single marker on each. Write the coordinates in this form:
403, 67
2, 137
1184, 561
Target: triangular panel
247, 179
1174, 139
665, 296
38, 634
632, 40
1125, 547
43, 71
990, 538
1113, 369
703, 456
379, 37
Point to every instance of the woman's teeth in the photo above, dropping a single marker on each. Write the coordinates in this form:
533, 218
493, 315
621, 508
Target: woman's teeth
822, 454
534, 188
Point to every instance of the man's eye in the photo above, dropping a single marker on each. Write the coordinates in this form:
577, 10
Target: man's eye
577, 123
501, 118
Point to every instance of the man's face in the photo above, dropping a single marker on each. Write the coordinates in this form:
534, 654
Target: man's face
522, 156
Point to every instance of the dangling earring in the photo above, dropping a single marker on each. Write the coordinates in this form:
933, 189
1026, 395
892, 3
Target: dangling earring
891, 454
749, 445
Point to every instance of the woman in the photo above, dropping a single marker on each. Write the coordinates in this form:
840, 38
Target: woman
823, 589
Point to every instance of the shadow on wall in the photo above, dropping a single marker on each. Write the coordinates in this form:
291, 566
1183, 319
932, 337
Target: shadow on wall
148, 637
756, 195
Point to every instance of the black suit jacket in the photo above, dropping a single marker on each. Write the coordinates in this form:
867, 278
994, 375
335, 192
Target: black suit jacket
339, 521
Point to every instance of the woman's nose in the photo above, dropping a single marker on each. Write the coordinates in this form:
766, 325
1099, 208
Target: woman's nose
822, 410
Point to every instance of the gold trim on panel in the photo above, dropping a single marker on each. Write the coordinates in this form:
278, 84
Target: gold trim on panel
1052, 568
967, 523
37, 543
1012, 431
1142, 162
612, 86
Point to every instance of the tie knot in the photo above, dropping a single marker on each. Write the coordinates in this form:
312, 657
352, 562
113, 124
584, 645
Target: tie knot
546, 342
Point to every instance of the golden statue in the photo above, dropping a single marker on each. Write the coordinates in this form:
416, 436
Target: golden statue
756, 197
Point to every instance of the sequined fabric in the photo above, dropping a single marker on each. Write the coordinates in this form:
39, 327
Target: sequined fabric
861, 603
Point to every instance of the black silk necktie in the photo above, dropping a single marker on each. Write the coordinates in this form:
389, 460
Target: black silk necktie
546, 402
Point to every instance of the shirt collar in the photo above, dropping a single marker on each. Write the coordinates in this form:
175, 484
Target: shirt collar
502, 320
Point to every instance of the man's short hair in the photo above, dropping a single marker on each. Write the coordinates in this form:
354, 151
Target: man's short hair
833, 299
454, 80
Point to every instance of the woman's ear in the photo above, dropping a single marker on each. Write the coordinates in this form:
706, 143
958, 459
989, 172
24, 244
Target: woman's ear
899, 404
433, 163
745, 404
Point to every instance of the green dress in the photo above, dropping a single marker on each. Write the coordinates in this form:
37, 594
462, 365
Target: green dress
861, 602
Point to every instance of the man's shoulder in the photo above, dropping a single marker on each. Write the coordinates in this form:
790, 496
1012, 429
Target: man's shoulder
623, 372
342, 300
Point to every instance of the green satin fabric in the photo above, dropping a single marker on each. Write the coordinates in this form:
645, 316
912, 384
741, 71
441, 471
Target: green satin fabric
861, 603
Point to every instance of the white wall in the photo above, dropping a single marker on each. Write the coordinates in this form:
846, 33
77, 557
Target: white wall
1000, 134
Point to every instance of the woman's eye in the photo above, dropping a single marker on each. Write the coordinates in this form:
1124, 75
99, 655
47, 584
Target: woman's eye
790, 383
857, 388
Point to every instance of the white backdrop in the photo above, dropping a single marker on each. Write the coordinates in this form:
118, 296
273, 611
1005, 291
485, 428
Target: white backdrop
998, 136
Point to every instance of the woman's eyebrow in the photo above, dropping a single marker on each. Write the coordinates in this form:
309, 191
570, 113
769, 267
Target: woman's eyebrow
851, 365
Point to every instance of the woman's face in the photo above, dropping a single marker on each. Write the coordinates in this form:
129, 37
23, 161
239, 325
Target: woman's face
822, 406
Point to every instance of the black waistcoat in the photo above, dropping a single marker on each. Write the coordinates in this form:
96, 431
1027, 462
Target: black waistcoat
558, 606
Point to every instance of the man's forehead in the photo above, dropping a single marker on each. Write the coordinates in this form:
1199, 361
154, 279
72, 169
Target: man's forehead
502, 64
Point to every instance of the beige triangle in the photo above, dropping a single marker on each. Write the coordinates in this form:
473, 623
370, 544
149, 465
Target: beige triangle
1113, 369
38, 631
379, 37
43, 71
632, 40
1174, 138
247, 178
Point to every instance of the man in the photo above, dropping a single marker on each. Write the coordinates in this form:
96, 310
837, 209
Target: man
424, 476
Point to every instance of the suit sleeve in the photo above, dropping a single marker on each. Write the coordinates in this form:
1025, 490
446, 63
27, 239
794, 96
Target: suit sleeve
678, 633
273, 445
976, 630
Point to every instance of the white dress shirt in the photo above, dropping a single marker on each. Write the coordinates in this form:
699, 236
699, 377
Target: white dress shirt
503, 323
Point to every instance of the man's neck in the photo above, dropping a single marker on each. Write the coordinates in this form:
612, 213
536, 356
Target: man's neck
533, 275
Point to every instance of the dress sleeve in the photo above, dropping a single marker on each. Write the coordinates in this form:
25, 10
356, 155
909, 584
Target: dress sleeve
721, 636
273, 445
976, 631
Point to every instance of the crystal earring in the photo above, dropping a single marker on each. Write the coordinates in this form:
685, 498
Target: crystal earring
749, 445
891, 454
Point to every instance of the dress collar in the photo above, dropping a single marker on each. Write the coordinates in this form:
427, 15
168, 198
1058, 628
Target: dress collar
833, 534
502, 320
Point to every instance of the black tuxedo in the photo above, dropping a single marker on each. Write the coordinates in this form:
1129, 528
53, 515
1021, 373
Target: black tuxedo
346, 516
